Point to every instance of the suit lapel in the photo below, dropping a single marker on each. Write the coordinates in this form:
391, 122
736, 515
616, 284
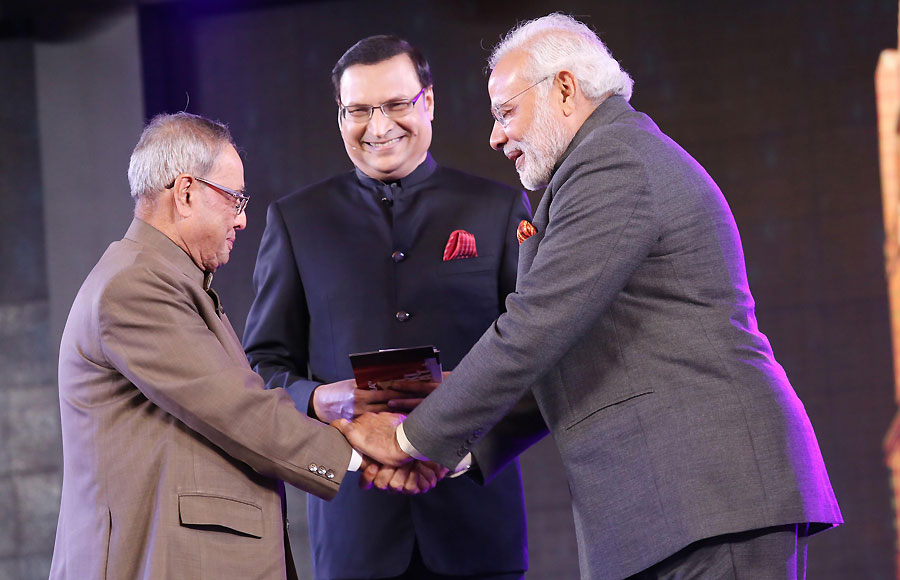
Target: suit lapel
528, 248
231, 342
146, 234
605, 113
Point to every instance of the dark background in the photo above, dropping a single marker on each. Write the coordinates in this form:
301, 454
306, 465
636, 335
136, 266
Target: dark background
775, 98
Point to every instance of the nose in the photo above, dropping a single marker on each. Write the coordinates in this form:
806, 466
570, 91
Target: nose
498, 137
240, 220
379, 124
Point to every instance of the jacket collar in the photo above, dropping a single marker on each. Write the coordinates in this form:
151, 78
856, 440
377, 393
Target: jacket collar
418, 175
605, 113
143, 233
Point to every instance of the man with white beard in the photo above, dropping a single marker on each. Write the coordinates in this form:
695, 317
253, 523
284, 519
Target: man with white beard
687, 451
544, 140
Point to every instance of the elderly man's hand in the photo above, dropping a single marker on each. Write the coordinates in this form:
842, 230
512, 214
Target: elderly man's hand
410, 478
373, 434
343, 400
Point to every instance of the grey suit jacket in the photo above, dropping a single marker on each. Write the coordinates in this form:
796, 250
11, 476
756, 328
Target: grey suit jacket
634, 326
172, 446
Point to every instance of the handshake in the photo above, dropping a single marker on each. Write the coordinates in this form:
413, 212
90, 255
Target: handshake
385, 466
369, 418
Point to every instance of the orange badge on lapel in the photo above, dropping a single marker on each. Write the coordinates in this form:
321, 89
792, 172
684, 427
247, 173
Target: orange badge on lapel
525, 231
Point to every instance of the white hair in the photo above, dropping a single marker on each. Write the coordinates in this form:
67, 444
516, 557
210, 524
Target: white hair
174, 144
559, 42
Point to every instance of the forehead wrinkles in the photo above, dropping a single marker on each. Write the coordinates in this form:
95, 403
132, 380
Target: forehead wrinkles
391, 99
506, 95
228, 170
509, 77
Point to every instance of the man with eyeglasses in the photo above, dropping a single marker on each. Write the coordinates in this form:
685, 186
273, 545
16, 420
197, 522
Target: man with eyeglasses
360, 262
174, 452
688, 454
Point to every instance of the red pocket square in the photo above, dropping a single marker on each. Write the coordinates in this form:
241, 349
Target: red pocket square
460, 245
525, 231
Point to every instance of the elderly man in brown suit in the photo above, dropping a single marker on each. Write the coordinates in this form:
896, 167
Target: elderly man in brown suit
173, 449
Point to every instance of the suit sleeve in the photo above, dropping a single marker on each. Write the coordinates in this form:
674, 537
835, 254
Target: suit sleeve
600, 228
152, 332
276, 336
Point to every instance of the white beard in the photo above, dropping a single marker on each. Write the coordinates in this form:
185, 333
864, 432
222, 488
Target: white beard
542, 145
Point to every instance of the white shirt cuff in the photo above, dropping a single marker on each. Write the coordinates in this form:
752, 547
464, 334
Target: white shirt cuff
462, 467
355, 460
408, 448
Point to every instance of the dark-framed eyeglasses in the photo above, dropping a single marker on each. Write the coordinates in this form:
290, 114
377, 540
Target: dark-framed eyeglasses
501, 116
390, 109
239, 198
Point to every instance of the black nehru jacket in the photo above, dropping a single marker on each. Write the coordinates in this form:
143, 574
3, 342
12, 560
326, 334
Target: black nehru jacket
352, 264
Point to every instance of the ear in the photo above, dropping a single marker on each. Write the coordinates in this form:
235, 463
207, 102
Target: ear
429, 101
567, 89
181, 194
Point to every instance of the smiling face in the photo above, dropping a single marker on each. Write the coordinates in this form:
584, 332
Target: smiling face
535, 136
209, 231
385, 148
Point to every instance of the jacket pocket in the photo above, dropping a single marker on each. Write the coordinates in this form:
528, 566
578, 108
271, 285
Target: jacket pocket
465, 265
206, 511
606, 404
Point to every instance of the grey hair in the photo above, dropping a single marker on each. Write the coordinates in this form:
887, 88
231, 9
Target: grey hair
559, 42
174, 144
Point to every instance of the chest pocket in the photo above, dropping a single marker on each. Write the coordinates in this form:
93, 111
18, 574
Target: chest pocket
465, 266
468, 295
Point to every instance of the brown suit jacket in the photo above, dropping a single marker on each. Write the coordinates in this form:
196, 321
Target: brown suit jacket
173, 449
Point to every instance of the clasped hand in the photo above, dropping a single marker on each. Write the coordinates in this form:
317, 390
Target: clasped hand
385, 466
411, 478
344, 400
